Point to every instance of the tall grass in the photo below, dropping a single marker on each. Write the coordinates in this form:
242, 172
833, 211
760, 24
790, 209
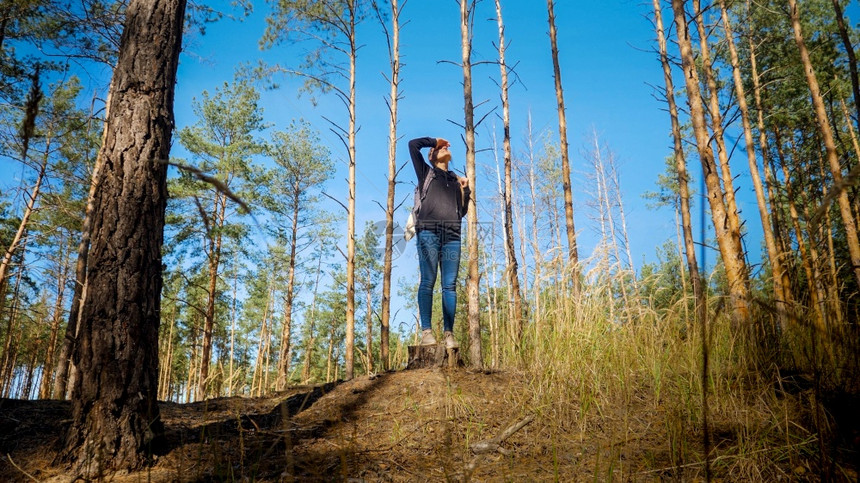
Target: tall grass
593, 374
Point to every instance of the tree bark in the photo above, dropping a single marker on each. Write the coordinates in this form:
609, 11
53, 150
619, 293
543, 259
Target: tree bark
680, 170
219, 212
826, 132
573, 254
773, 252
393, 98
474, 280
115, 417
727, 239
516, 312
349, 355
713, 98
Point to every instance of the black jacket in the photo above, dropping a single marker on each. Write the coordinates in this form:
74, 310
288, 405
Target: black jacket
444, 203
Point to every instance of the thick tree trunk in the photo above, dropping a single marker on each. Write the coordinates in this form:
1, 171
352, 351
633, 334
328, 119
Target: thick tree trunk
115, 418
473, 282
727, 239
773, 252
393, 98
516, 311
573, 254
826, 132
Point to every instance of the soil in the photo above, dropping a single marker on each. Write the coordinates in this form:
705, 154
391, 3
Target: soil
415, 425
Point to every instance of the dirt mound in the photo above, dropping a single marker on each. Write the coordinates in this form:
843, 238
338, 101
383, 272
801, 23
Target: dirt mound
425, 424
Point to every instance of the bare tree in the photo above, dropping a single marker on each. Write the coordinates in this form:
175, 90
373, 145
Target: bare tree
573, 255
393, 39
770, 242
728, 239
516, 311
473, 282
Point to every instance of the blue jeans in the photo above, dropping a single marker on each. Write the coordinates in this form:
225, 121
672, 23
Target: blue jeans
436, 253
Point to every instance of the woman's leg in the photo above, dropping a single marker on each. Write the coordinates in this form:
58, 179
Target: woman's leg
428, 261
449, 261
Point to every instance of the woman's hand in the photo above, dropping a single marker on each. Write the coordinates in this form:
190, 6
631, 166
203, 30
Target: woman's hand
442, 143
464, 182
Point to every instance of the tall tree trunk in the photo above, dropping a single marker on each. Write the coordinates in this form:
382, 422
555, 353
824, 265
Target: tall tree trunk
474, 280
770, 242
115, 418
727, 239
215, 244
284, 353
713, 98
393, 98
535, 239
259, 366
350, 242
680, 170
573, 254
770, 178
511, 270
826, 132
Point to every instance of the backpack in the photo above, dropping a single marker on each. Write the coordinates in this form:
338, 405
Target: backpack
420, 193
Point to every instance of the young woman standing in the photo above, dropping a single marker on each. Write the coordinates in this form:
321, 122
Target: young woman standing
443, 204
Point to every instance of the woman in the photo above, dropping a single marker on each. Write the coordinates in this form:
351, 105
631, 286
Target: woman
443, 204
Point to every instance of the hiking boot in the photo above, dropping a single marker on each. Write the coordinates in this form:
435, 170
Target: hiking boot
450, 343
427, 337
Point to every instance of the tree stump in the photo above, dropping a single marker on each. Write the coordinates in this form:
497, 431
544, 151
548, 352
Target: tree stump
437, 355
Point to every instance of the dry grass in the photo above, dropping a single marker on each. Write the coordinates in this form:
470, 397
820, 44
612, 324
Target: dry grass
611, 402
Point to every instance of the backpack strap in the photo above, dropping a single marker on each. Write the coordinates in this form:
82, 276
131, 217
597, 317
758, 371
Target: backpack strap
431, 175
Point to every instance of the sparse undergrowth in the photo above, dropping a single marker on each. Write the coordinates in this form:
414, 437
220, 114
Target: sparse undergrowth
611, 402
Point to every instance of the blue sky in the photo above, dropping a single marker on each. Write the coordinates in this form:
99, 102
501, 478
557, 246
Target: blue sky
606, 69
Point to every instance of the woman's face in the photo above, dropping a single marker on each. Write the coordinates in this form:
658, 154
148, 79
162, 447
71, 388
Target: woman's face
442, 155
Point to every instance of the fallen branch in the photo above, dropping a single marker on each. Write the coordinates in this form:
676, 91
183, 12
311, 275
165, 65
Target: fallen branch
19, 468
492, 445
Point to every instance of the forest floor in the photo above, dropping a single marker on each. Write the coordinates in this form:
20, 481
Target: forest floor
416, 425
